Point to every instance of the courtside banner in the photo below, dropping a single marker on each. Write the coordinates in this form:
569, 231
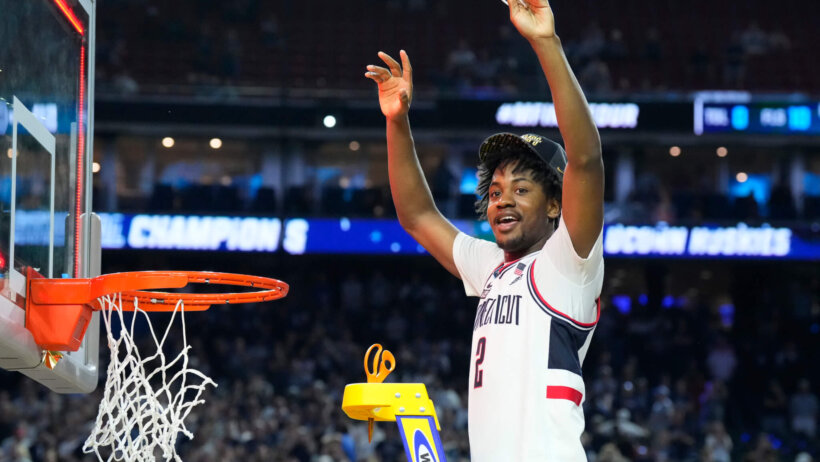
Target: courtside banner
298, 236
421, 439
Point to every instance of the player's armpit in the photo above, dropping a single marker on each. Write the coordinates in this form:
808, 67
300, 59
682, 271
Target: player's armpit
436, 234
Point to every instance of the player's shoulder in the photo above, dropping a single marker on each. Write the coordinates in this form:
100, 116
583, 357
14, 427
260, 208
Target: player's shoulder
559, 255
475, 260
476, 247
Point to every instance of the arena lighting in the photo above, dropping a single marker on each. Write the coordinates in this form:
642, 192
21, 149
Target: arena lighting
722, 152
215, 143
354, 146
741, 177
168, 142
674, 151
10, 153
69, 14
329, 121
95, 167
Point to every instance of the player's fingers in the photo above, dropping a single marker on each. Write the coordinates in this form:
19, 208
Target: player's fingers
517, 5
381, 72
513, 4
391, 63
373, 76
405, 65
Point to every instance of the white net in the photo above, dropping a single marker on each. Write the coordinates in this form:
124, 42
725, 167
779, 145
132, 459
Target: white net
146, 399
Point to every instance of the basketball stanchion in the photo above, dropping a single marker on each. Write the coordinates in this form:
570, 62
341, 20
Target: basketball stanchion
407, 404
147, 396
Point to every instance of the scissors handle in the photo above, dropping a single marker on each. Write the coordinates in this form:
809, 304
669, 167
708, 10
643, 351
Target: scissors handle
383, 364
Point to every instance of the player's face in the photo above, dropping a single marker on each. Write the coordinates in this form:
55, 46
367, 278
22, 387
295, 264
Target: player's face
519, 211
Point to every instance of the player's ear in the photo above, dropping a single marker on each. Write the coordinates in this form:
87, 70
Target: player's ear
553, 208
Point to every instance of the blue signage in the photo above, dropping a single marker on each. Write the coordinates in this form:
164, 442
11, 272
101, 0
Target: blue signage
298, 236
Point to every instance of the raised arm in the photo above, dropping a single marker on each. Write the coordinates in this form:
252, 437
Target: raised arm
416, 210
583, 191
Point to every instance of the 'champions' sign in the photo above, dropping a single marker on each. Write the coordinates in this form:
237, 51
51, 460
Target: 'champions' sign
370, 236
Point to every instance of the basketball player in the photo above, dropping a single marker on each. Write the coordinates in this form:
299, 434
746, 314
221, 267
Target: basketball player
539, 283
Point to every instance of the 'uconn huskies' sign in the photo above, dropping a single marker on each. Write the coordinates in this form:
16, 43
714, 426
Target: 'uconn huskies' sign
371, 236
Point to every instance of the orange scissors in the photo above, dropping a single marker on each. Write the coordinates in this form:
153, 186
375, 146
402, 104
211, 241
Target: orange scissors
383, 364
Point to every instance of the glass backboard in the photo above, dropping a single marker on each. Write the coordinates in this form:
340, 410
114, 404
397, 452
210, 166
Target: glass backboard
46, 126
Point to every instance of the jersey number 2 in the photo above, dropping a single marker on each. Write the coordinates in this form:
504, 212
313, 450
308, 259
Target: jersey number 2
479, 352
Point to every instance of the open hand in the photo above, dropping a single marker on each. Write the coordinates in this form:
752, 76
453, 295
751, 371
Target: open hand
533, 21
395, 85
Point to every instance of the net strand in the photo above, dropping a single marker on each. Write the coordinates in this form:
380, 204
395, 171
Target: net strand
136, 420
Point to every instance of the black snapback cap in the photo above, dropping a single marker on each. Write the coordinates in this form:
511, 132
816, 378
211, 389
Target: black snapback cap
549, 151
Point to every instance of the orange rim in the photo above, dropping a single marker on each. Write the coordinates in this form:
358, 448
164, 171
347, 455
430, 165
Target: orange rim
270, 289
58, 311
139, 285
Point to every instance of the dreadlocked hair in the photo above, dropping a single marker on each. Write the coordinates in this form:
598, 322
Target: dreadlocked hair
522, 161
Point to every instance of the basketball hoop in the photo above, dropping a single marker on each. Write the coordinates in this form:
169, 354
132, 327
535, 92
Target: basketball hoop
147, 396
58, 310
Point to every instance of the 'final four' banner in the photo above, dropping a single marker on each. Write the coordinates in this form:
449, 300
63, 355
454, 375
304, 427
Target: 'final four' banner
421, 439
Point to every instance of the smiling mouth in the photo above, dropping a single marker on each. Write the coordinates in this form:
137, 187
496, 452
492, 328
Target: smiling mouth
506, 223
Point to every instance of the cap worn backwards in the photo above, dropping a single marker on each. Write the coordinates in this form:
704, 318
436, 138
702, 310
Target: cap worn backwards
547, 150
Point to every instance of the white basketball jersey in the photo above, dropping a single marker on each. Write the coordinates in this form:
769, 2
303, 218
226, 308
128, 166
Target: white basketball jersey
533, 326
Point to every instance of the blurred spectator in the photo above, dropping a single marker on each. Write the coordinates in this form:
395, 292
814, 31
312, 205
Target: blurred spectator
622, 425
804, 457
231, 55
700, 64
595, 77
781, 203
592, 43
487, 67
653, 45
462, 61
779, 41
662, 411
734, 69
616, 49
717, 446
124, 83
722, 360
804, 409
754, 40
611, 453
774, 407
746, 207
182, 33
204, 50
763, 450
271, 32
281, 373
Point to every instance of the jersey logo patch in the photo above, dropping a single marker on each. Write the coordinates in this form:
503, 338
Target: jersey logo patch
519, 272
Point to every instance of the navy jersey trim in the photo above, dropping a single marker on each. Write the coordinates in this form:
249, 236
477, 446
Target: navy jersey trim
565, 343
547, 308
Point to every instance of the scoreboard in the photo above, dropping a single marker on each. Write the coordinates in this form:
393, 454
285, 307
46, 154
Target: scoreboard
758, 118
